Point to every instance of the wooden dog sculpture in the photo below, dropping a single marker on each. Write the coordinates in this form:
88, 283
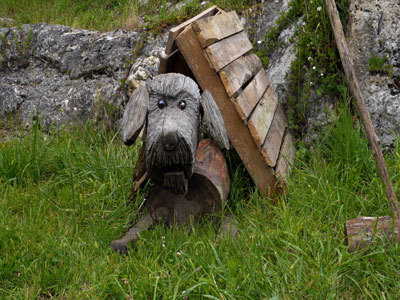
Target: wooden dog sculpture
190, 176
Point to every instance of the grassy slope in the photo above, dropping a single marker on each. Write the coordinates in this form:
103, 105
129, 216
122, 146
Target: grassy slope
100, 14
64, 198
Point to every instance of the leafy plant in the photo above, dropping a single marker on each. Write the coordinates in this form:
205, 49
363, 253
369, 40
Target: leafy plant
20, 40
377, 65
317, 64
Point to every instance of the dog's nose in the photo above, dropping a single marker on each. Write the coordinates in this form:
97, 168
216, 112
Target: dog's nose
169, 141
169, 138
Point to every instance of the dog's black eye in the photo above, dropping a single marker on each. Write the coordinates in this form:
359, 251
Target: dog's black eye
182, 104
161, 104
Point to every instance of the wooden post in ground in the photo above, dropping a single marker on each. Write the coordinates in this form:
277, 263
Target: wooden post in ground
357, 230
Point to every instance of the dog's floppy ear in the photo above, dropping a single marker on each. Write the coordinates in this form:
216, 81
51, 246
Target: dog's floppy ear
134, 116
213, 120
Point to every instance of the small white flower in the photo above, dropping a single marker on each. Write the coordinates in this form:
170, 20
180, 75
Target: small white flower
314, 68
319, 8
309, 58
304, 23
163, 237
311, 83
178, 253
322, 74
163, 245
259, 42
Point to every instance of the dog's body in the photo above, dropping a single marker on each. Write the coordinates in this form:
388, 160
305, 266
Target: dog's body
191, 178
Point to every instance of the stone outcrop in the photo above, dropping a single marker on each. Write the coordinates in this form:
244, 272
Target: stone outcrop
281, 57
67, 75
374, 30
64, 75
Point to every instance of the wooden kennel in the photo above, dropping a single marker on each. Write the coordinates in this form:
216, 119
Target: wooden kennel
214, 49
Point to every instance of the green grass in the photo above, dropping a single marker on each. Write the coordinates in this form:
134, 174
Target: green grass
105, 15
378, 65
65, 198
100, 14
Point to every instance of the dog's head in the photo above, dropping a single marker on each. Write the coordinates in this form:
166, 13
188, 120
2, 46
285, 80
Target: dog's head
173, 123
171, 107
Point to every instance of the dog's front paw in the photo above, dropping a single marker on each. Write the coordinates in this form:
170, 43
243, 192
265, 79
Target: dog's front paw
119, 246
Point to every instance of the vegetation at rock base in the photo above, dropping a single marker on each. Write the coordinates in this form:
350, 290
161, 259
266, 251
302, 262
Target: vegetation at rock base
317, 64
107, 15
101, 14
378, 64
64, 198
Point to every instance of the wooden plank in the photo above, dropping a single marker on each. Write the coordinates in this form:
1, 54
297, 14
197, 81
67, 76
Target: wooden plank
166, 61
363, 232
175, 31
261, 119
272, 144
238, 133
227, 50
213, 29
240, 71
286, 158
249, 98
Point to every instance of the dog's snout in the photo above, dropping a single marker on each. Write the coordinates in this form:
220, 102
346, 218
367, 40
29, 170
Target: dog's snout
169, 141
169, 135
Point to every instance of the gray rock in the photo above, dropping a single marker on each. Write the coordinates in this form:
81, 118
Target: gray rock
271, 11
146, 66
281, 57
67, 75
375, 29
320, 114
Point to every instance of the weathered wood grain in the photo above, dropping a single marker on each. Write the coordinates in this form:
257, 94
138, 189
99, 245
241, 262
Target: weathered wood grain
207, 194
172, 131
175, 31
226, 51
175, 63
134, 116
262, 116
362, 232
238, 133
273, 141
210, 163
215, 28
355, 90
240, 71
248, 99
286, 158
214, 121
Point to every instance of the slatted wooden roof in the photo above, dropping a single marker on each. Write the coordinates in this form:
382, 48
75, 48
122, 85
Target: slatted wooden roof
214, 49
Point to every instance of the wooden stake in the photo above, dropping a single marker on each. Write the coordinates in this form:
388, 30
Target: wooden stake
364, 114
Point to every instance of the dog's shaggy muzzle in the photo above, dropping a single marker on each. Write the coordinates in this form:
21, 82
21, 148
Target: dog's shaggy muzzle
173, 124
170, 164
